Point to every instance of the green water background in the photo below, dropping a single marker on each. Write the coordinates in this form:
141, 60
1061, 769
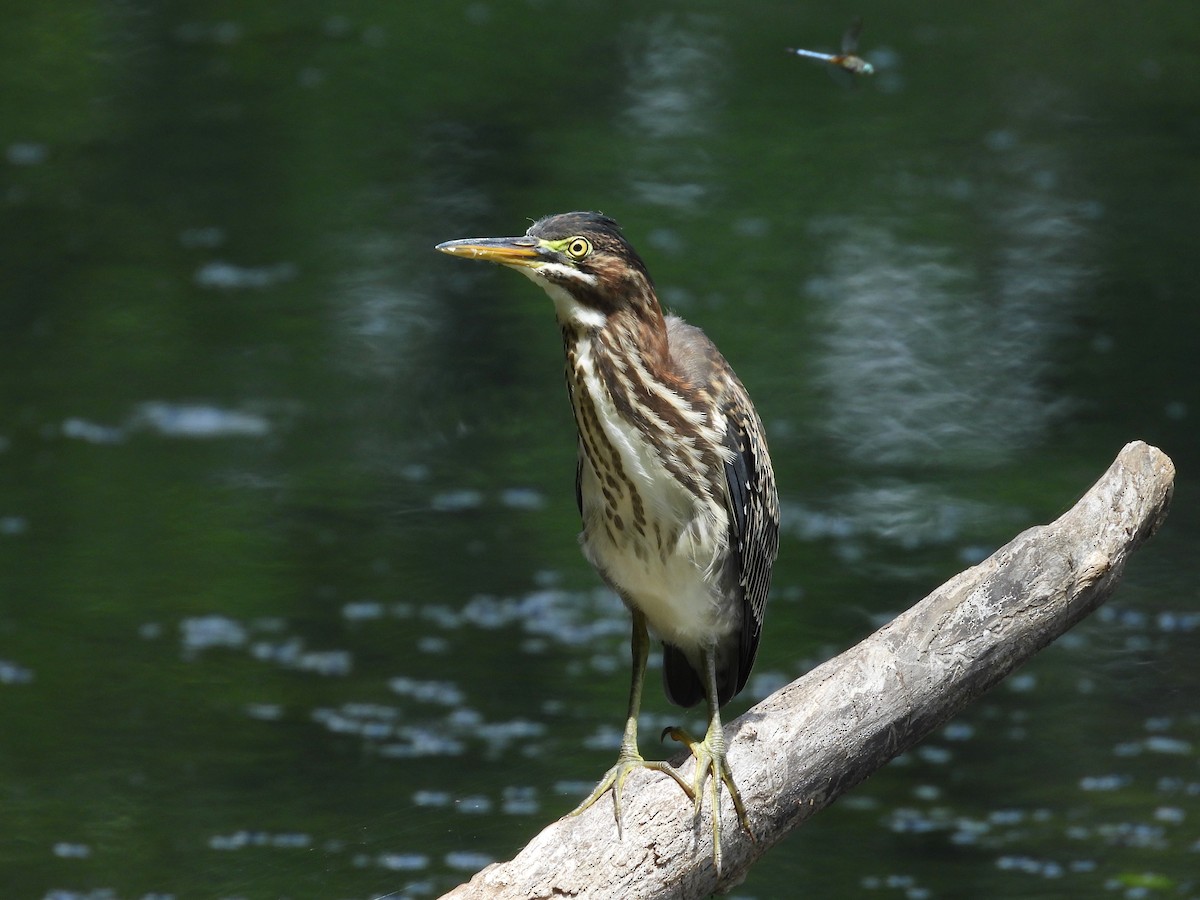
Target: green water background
290, 602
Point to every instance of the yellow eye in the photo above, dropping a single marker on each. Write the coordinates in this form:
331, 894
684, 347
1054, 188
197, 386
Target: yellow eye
579, 247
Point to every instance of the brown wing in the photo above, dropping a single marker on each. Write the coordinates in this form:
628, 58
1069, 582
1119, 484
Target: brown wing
753, 507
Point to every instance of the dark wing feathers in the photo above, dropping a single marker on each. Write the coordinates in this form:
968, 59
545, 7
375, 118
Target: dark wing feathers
753, 507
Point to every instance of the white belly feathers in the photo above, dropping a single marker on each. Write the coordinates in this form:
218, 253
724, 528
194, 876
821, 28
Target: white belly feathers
656, 542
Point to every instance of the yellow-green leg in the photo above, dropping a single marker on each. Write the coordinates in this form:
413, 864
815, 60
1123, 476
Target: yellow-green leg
629, 758
710, 760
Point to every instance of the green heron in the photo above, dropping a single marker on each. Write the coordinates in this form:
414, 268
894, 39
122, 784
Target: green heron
674, 484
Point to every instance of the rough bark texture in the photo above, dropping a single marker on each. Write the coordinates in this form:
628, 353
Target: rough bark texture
804, 746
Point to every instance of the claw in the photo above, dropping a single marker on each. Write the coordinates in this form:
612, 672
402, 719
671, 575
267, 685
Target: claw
615, 778
710, 760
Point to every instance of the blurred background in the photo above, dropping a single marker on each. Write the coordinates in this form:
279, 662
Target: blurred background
290, 599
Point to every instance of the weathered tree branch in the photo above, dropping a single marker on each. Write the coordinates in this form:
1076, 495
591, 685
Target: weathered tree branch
804, 746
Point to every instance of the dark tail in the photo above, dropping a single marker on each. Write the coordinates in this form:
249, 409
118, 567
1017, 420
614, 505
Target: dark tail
684, 685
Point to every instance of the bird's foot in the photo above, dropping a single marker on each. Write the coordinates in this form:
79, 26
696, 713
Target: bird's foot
627, 762
711, 761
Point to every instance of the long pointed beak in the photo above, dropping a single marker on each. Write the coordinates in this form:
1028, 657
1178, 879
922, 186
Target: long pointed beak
509, 251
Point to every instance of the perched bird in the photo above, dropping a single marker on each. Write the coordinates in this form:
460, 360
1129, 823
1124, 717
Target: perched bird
674, 484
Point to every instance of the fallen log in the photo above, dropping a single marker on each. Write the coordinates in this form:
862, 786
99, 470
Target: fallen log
804, 746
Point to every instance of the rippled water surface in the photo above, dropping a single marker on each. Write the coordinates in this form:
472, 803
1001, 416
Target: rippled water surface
290, 599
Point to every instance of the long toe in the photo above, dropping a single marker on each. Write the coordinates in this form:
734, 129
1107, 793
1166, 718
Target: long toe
712, 763
615, 777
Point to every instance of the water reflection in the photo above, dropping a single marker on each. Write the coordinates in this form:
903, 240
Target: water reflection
904, 513
934, 358
386, 295
933, 355
673, 65
173, 420
228, 276
382, 305
13, 673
